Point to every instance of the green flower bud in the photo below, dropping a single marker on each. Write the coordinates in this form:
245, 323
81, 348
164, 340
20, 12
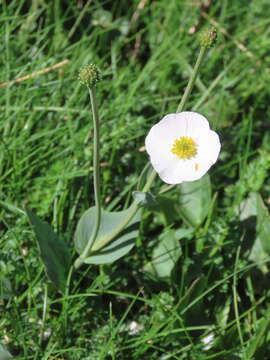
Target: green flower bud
89, 75
208, 38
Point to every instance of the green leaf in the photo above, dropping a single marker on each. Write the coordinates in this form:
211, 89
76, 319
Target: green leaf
115, 250
263, 224
256, 221
4, 354
5, 288
165, 255
195, 200
248, 207
166, 210
110, 221
53, 251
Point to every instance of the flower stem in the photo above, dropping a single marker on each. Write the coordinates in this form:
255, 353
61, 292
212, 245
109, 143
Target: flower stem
192, 80
92, 92
79, 261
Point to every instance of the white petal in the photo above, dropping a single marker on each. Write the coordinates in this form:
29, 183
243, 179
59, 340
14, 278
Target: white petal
172, 126
166, 130
175, 174
185, 170
164, 165
209, 146
195, 123
159, 141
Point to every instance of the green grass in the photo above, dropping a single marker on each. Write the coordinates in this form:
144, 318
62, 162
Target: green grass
220, 284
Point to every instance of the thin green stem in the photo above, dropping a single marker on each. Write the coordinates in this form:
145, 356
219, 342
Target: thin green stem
192, 80
92, 92
144, 170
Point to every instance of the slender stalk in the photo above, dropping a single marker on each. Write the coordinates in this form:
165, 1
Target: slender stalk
92, 92
192, 79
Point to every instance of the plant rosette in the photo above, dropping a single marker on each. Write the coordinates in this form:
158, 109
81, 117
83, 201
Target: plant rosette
182, 147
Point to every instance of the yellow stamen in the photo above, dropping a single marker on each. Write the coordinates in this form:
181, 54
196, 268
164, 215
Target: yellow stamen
185, 148
196, 166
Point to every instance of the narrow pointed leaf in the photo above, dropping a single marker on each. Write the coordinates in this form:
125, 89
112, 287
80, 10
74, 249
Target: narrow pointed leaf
53, 251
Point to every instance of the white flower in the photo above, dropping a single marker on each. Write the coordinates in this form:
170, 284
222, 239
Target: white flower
182, 147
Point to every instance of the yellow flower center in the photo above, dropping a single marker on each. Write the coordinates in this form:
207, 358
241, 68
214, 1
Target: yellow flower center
184, 147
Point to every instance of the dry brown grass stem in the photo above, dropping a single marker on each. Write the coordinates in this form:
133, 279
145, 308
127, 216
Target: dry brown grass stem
36, 73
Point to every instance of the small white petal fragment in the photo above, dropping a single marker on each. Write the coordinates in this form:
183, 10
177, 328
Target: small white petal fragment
134, 328
182, 147
208, 341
